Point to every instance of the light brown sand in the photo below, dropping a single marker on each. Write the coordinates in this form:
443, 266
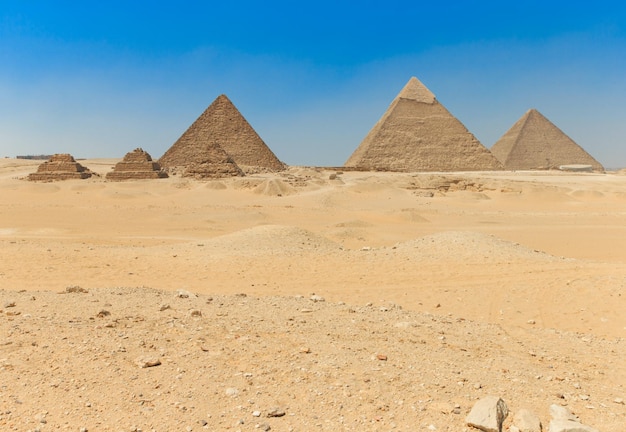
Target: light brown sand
538, 255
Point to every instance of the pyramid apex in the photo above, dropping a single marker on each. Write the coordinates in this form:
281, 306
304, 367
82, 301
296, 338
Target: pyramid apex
415, 90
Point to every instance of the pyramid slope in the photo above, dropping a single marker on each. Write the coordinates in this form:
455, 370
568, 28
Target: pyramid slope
136, 165
417, 133
534, 142
221, 126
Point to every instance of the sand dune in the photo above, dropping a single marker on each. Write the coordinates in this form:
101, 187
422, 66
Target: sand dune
524, 261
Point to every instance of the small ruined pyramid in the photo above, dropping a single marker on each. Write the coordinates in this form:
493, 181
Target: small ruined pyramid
417, 133
220, 142
60, 167
534, 142
136, 165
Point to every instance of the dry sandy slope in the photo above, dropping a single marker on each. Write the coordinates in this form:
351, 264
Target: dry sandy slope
537, 255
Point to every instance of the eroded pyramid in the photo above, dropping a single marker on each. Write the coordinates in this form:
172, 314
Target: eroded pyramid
534, 142
136, 165
417, 133
60, 167
220, 142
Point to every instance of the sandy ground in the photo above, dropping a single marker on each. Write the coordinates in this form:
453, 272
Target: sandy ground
469, 284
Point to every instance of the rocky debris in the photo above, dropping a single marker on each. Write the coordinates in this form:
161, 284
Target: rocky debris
147, 361
60, 167
256, 353
136, 165
75, 289
276, 412
558, 412
9, 304
488, 414
526, 421
185, 294
563, 420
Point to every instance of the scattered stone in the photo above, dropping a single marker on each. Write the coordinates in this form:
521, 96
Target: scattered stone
317, 298
146, 362
265, 427
569, 426
164, 307
488, 414
232, 392
185, 294
75, 289
195, 313
558, 412
276, 412
381, 357
256, 413
619, 401
103, 313
527, 421
9, 304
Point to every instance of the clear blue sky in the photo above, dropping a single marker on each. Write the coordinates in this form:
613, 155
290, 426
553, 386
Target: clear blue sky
98, 79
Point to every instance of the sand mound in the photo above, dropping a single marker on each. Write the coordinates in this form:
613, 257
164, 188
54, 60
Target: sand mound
274, 187
271, 240
469, 247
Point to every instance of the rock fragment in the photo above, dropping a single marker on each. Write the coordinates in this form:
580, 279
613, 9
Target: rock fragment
488, 414
74, 289
563, 420
147, 361
276, 412
527, 421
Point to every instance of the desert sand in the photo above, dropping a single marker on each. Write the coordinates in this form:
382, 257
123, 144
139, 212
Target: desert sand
344, 300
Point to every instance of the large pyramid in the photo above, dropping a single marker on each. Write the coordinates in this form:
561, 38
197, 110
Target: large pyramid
534, 142
417, 133
221, 137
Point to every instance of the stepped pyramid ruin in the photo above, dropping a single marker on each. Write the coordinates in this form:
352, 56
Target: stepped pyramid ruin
417, 133
220, 143
136, 165
60, 167
534, 142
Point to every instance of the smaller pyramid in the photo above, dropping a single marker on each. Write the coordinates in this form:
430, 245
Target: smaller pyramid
60, 167
220, 143
136, 165
417, 133
535, 143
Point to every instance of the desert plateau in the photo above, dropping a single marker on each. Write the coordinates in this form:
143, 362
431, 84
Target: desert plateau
310, 299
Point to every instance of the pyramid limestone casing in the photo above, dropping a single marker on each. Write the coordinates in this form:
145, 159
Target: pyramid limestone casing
60, 167
220, 140
534, 142
417, 133
136, 165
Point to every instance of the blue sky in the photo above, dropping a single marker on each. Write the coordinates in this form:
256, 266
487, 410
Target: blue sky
98, 79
